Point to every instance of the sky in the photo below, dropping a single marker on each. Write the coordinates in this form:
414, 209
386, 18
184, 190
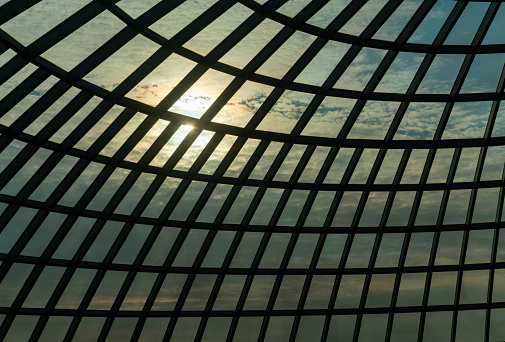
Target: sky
190, 105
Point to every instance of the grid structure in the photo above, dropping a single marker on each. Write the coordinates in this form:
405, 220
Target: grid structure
252, 170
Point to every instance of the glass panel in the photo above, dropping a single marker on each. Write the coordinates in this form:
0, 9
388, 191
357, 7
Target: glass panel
190, 248
437, 326
467, 120
162, 246
214, 203
122, 329
319, 210
240, 205
341, 328
139, 291
188, 201
440, 167
365, 164
202, 94
449, 248
248, 329
259, 293
429, 207
246, 250
356, 76
467, 164
405, 327
290, 163
380, 291
74, 238
279, 329
349, 291
401, 209
169, 292
219, 29
471, 325
401, 73
73, 49
134, 195
310, 328
373, 328
313, 167
361, 249
218, 155
346, 209
289, 292
16, 226
389, 250
304, 250
319, 293
389, 167
76, 289
474, 287
132, 245
89, 329
411, 289
12, 283
243, 104
374, 207
218, 250
276, 248
34, 22
457, 207
55, 329
242, 158
108, 290
44, 287
229, 293
332, 251
194, 151
108, 189
161, 198
154, 328
284, 115
286, 56
441, 75
21, 329
186, 328
485, 205
414, 168
44, 234
363, 18
321, 66
266, 161
442, 288
329, 117
480, 245
293, 208
419, 250
217, 329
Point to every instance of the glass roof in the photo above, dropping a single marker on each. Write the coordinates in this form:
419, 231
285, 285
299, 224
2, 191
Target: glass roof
276, 170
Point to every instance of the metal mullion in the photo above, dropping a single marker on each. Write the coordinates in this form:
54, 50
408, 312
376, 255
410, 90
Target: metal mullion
16, 164
22, 90
58, 238
28, 233
222, 99
65, 184
13, 8
302, 163
414, 22
87, 124
65, 28
94, 188
88, 241
158, 144
111, 131
10, 68
253, 160
279, 159
347, 247
200, 203
117, 304
206, 153
27, 287
37, 331
379, 20
182, 87
229, 157
181, 150
146, 68
449, 24
201, 22
345, 15
174, 200
97, 57
132, 141
60, 119
121, 192
40, 175
178, 307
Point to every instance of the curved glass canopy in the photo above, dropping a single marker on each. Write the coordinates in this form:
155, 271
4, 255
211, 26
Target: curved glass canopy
227, 170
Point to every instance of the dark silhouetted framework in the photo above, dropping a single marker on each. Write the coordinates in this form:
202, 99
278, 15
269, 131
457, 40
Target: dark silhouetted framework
285, 270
